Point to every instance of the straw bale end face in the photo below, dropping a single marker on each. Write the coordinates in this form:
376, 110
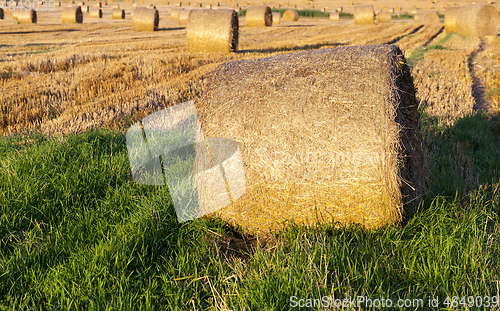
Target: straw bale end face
212, 31
339, 141
363, 14
477, 20
450, 19
259, 16
291, 15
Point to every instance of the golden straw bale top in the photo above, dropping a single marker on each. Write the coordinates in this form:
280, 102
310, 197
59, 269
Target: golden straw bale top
259, 16
322, 133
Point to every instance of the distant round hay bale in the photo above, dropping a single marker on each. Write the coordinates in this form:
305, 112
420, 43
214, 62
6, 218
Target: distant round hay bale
334, 16
99, 5
135, 5
26, 16
277, 5
15, 13
430, 18
184, 16
116, 6
259, 16
417, 17
145, 19
235, 4
414, 12
151, 6
72, 15
174, 14
391, 10
81, 3
276, 18
477, 20
321, 140
212, 31
363, 14
340, 9
208, 6
178, 4
118, 14
85, 8
384, 17
96, 13
291, 15
450, 18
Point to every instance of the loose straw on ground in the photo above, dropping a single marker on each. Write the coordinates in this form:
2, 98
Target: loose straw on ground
27, 16
384, 17
96, 13
184, 16
450, 18
118, 14
477, 20
329, 135
259, 16
145, 19
363, 14
72, 15
276, 18
291, 15
212, 31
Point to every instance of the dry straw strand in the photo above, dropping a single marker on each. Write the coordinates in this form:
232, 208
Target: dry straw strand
212, 31
96, 13
363, 14
184, 16
334, 16
325, 135
450, 18
259, 16
72, 15
291, 15
477, 20
276, 18
27, 16
384, 17
118, 14
145, 19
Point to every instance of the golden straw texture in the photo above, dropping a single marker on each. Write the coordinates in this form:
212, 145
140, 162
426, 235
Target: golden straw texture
430, 18
212, 31
477, 20
259, 16
334, 16
363, 14
174, 14
26, 16
96, 13
184, 16
384, 17
291, 15
145, 19
450, 18
276, 18
325, 135
118, 14
72, 15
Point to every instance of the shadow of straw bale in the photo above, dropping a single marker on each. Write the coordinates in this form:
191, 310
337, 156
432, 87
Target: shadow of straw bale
295, 48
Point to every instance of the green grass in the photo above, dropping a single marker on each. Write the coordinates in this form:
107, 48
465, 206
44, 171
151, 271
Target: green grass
419, 52
76, 233
305, 13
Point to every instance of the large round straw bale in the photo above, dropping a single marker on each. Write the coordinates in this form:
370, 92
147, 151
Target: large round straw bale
363, 14
276, 18
96, 13
174, 14
26, 16
477, 20
450, 18
325, 135
384, 17
72, 15
212, 31
259, 16
118, 14
291, 15
334, 16
184, 16
145, 19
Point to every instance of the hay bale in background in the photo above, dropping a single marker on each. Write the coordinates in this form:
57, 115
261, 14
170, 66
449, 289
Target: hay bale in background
85, 8
96, 13
363, 14
334, 16
477, 20
145, 19
72, 15
259, 16
291, 15
430, 18
116, 6
450, 18
276, 18
26, 16
212, 31
340, 9
98, 5
174, 14
384, 17
15, 13
118, 14
334, 136
184, 16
